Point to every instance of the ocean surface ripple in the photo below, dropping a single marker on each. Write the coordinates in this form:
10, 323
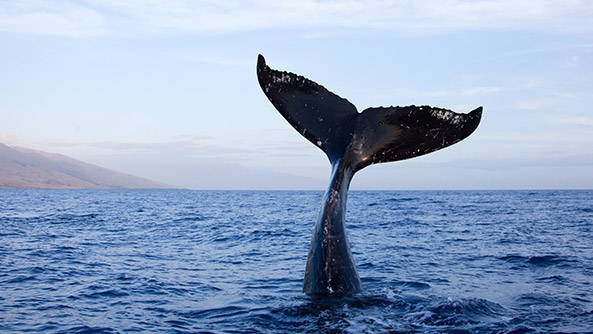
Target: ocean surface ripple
175, 261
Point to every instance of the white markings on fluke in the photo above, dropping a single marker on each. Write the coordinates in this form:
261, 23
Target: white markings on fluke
446, 115
284, 78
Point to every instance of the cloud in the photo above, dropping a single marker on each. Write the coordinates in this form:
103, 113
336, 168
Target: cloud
533, 138
584, 121
198, 162
509, 163
480, 90
219, 59
50, 18
8, 138
199, 146
72, 18
188, 146
554, 101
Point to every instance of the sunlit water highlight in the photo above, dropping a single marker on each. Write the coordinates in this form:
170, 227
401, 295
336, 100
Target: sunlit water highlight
233, 262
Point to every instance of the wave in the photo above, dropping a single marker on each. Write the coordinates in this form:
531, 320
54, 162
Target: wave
540, 260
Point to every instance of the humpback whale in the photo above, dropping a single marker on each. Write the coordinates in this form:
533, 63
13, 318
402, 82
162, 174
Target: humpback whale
353, 141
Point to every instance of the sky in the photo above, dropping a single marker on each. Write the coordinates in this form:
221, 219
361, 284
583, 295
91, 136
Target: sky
167, 90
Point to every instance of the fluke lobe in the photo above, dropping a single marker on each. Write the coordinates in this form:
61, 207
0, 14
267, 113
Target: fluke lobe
352, 141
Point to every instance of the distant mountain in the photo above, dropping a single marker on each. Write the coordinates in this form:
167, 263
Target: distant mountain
22, 168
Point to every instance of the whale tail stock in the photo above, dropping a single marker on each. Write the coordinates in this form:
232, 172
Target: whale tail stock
352, 141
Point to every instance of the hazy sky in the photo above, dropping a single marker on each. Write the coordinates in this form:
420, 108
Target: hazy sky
167, 89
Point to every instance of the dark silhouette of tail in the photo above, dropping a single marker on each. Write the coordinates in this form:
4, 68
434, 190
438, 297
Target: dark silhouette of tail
352, 141
375, 135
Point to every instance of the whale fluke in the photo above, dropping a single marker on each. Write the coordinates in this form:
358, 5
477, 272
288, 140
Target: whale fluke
352, 141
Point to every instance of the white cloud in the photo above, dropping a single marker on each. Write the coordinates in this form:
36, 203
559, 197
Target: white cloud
553, 102
8, 138
534, 104
73, 18
532, 83
201, 162
480, 90
219, 59
533, 139
47, 18
585, 121
190, 146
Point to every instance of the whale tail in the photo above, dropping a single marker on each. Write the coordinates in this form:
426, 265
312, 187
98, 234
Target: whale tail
352, 141
375, 135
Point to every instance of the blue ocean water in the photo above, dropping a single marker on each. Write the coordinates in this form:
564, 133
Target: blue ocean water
174, 261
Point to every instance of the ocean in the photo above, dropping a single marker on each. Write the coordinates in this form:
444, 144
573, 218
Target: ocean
176, 261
